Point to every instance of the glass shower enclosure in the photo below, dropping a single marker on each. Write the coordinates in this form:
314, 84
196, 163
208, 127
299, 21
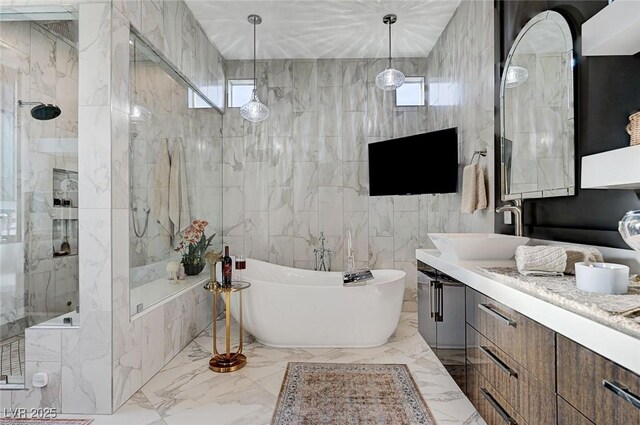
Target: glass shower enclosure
38, 182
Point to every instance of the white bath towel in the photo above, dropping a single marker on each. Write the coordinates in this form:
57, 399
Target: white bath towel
474, 191
160, 194
576, 254
541, 260
178, 192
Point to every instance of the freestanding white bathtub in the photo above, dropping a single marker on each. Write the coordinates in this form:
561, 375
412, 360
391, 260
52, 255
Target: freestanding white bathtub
286, 307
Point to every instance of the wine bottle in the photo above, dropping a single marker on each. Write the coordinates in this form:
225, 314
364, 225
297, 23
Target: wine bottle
226, 268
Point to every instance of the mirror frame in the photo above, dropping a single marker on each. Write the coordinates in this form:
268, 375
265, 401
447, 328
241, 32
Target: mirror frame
548, 193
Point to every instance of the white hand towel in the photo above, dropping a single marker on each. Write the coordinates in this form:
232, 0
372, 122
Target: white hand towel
178, 192
160, 194
576, 254
474, 192
481, 190
541, 260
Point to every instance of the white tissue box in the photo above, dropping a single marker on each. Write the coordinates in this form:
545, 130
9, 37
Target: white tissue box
603, 278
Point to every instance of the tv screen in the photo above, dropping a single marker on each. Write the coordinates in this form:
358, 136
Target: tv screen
424, 163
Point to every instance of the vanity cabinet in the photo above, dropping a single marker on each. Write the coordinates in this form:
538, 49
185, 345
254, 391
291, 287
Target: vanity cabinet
601, 390
493, 408
526, 341
539, 376
515, 356
529, 397
569, 415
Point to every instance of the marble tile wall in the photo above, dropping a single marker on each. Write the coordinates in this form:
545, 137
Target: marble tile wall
304, 170
311, 148
101, 362
460, 70
141, 347
38, 66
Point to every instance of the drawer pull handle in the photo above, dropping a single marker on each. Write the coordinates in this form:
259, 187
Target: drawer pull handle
503, 413
498, 362
488, 308
623, 392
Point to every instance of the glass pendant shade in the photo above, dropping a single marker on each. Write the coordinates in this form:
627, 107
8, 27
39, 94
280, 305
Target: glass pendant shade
254, 110
389, 79
516, 75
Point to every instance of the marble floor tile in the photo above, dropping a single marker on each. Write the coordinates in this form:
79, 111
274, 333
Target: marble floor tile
186, 392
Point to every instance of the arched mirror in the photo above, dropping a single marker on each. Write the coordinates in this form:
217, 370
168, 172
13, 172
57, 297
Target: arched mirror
537, 119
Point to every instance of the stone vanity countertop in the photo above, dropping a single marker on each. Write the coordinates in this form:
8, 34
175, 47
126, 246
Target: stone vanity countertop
607, 334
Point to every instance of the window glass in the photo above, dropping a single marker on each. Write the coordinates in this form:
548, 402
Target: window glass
411, 93
239, 92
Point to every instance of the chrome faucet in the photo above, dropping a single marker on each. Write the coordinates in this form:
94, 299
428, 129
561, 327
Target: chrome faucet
322, 255
516, 209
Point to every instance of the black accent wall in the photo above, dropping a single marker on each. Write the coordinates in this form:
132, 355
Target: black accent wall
607, 91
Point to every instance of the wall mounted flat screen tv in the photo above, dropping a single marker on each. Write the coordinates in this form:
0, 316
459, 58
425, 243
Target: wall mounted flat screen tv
424, 163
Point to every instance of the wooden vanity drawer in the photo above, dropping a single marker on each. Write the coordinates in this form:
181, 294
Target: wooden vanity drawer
528, 342
568, 415
601, 390
493, 408
528, 396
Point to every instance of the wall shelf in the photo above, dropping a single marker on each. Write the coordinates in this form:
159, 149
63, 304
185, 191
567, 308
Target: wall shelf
616, 169
614, 31
64, 213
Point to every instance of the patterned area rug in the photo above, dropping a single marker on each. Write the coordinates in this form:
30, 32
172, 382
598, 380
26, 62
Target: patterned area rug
341, 393
34, 421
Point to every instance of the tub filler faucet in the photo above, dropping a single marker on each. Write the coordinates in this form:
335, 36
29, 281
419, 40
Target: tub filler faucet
322, 255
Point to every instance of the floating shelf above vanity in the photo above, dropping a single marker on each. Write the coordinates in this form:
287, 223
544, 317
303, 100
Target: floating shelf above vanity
614, 31
616, 169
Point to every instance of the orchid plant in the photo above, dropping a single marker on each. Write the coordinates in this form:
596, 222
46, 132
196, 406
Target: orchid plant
194, 243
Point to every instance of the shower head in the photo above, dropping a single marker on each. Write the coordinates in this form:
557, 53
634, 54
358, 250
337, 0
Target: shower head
42, 111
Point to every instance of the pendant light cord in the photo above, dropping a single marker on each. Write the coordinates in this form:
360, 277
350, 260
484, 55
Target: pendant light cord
255, 80
389, 25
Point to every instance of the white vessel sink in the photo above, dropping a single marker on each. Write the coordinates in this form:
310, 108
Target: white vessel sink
476, 246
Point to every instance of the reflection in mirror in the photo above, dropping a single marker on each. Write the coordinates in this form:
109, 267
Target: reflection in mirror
537, 119
175, 155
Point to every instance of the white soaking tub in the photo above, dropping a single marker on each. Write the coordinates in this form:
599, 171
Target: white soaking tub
287, 307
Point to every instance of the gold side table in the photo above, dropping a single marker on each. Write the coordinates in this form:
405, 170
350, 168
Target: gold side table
227, 361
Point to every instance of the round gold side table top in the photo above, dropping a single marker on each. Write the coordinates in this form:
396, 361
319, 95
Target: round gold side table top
227, 361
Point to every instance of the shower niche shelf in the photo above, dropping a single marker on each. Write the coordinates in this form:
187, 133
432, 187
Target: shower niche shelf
64, 214
65, 189
64, 237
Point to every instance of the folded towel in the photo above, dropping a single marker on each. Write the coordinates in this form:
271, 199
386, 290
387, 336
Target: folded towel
541, 260
178, 193
576, 254
160, 193
474, 192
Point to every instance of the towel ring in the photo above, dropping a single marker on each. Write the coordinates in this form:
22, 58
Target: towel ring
479, 153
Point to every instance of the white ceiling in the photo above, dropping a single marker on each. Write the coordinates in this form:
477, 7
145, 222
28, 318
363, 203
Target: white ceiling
310, 29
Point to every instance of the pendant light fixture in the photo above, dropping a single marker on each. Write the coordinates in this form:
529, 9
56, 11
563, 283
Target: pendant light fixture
254, 110
389, 79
